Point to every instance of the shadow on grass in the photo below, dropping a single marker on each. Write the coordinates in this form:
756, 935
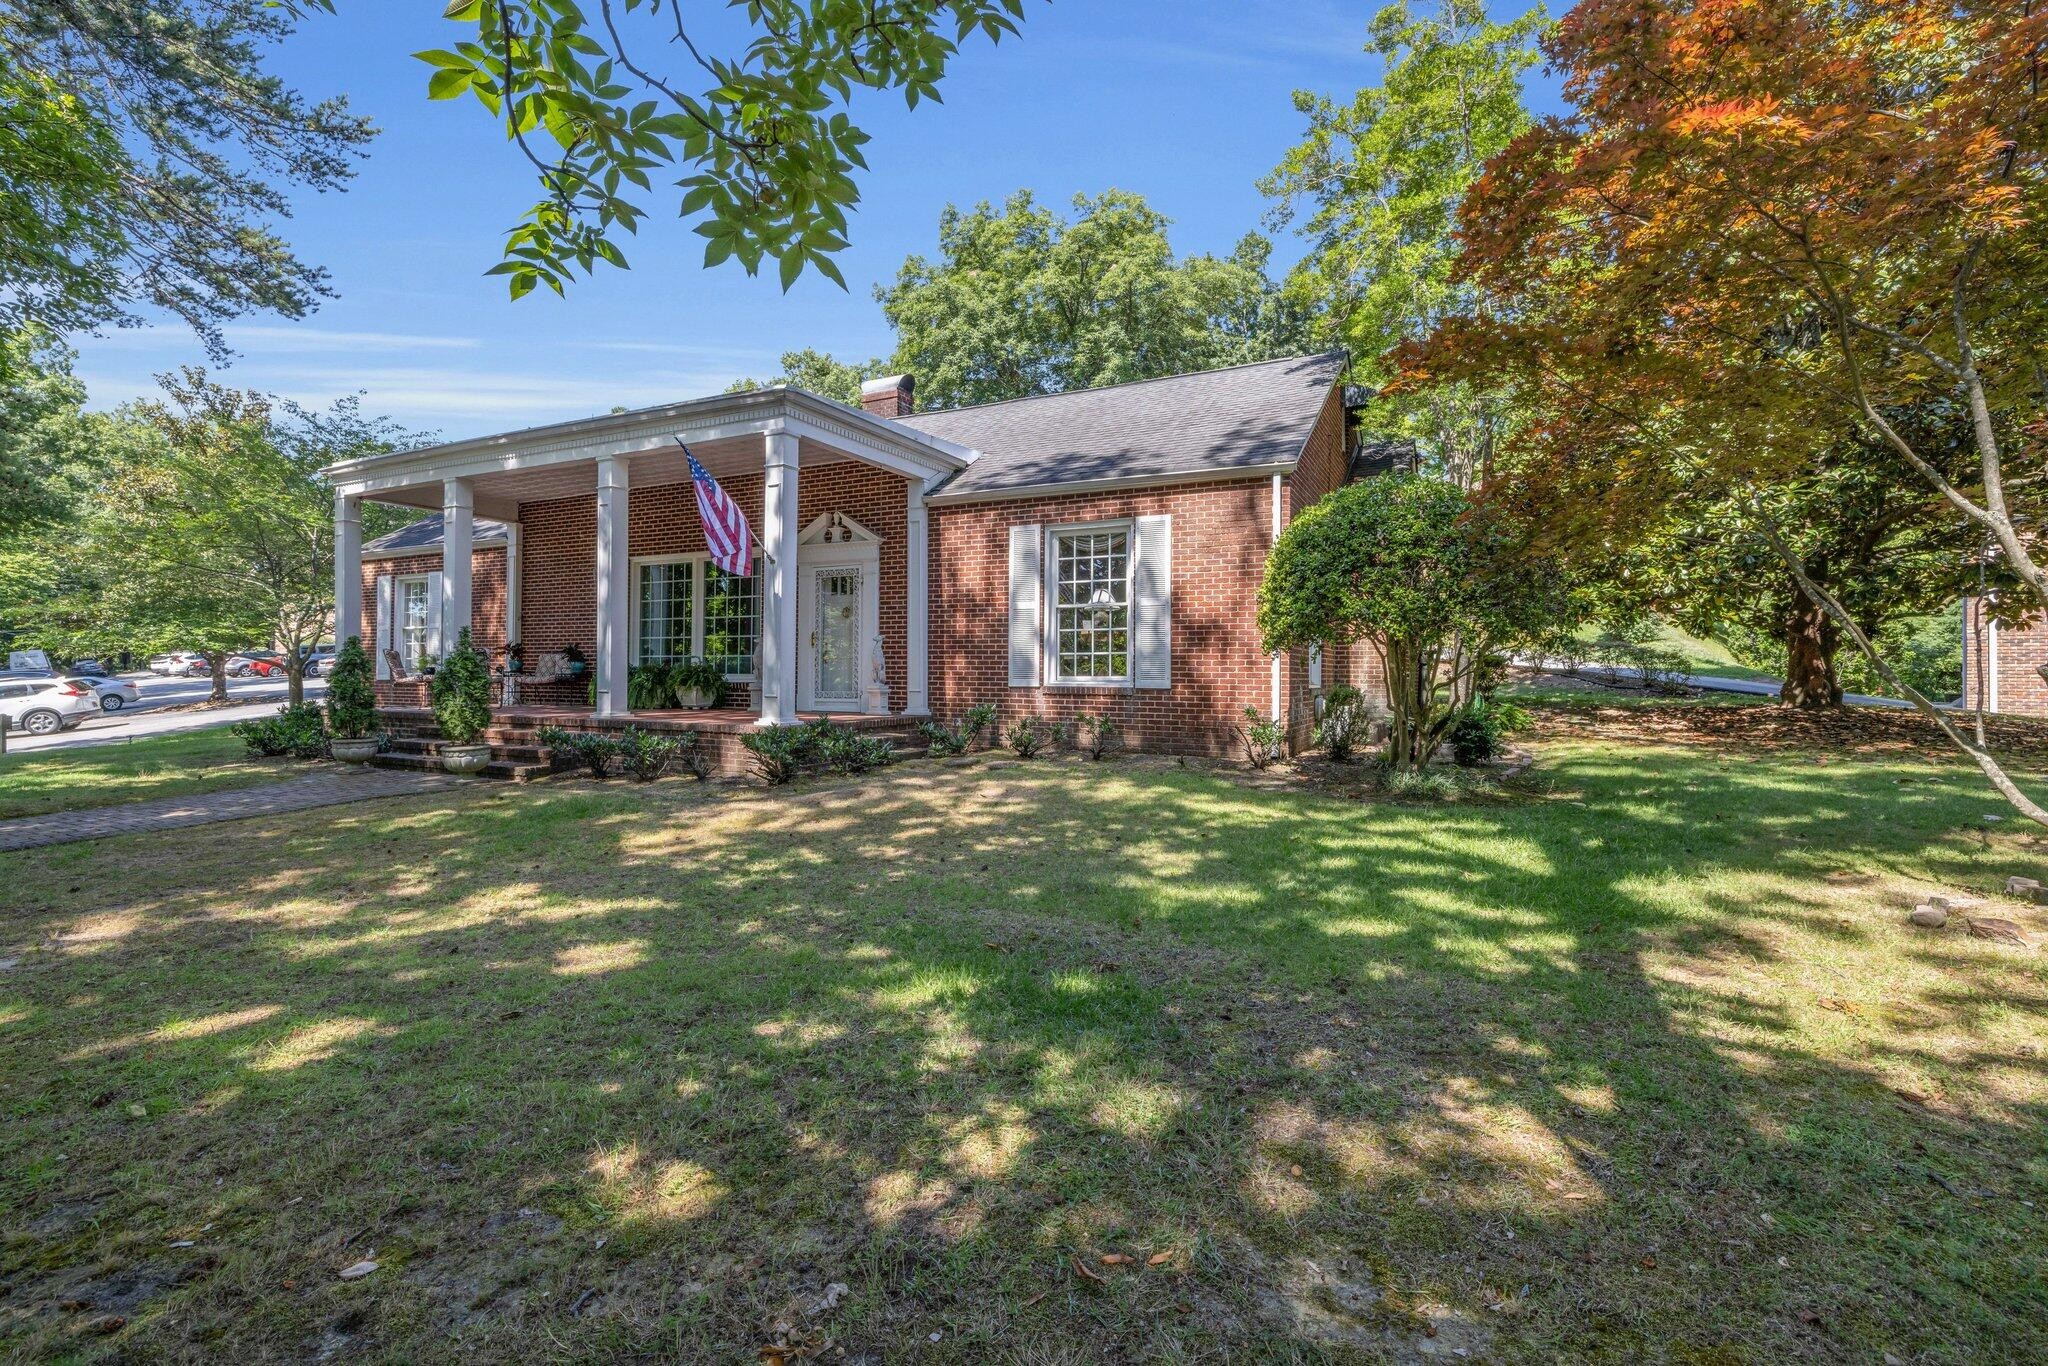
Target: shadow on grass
612, 1072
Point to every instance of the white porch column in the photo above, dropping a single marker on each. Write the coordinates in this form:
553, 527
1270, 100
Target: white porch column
613, 657
778, 599
458, 534
917, 609
348, 570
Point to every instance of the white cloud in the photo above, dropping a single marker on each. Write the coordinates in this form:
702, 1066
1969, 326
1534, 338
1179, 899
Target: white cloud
255, 340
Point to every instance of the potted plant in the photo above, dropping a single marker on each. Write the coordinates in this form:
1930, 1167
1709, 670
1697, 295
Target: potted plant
697, 684
425, 665
352, 705
462, 707
575, 659
515, 658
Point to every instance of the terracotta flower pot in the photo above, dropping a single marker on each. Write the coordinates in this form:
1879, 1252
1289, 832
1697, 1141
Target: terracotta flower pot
465, 758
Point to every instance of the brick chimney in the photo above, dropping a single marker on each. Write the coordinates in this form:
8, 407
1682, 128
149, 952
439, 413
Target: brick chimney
889, 397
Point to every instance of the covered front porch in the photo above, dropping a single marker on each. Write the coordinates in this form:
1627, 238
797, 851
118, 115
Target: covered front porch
606, 562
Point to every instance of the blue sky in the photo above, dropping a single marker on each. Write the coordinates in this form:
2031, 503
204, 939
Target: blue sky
1187, 103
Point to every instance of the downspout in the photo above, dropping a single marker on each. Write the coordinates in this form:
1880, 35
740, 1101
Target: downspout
1269, 551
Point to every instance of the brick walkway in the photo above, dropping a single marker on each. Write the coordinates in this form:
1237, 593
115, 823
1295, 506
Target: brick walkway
327, 786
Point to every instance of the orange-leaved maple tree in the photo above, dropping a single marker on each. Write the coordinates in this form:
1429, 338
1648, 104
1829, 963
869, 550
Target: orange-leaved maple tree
1765, 224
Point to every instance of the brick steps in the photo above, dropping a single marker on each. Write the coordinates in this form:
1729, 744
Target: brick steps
511, 771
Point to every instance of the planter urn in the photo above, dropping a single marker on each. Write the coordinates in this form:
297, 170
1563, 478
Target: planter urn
465, 758
694, 699
354, 749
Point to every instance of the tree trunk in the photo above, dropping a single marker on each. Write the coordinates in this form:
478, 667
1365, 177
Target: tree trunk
294, 678
1811, 638
217, 661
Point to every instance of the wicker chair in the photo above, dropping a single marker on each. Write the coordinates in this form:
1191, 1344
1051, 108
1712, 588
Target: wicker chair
552, 667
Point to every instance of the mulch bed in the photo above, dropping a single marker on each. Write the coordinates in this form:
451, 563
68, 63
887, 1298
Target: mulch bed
1873, 731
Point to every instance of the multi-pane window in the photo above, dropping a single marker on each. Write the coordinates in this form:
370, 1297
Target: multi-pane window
1092, 604
688, 608
414, 612
666, 598
732, 619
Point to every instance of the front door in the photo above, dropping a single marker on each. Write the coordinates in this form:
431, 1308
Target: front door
831, 643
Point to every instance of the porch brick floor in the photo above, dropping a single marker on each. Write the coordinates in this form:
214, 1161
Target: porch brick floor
328, 785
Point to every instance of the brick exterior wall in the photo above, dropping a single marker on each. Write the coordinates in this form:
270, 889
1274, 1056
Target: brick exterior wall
1222, 534
558, 564
2009, 671
486, 610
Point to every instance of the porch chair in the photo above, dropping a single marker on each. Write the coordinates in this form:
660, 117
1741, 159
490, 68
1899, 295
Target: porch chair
552, 667
399, 673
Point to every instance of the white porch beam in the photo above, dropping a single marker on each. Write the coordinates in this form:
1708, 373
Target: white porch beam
458, 536
612, 588
348, 568
778, 600
917, 608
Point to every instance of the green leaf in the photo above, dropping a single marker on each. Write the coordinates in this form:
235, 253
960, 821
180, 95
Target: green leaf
446, 85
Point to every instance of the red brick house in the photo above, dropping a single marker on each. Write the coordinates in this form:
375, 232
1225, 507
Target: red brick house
1095, 552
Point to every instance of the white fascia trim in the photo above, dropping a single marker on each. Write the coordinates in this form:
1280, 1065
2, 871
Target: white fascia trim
479, 543
890, 444
1136, 481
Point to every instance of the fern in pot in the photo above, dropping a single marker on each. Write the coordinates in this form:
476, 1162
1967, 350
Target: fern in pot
352, 705
697, 684
462, 707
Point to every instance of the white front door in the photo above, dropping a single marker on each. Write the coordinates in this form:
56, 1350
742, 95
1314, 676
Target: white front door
831, 631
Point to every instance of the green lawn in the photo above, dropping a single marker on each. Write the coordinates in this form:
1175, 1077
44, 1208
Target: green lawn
1643, 1064
37, 782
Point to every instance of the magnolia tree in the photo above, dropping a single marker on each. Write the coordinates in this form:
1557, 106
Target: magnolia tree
1765, 227
1408, 565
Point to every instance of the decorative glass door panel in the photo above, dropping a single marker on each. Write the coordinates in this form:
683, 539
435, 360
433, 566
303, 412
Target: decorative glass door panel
836, 642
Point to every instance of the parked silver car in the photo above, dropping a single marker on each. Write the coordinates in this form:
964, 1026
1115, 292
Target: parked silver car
115, 693
44, 706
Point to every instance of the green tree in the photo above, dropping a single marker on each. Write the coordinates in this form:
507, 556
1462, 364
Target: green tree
760, 127
817, 372
48, 451
1406, 564
209, 531
1023, 300
144, 152
1868, 531
1375, 188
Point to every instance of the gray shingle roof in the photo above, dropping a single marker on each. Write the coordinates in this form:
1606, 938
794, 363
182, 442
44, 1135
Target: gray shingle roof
1241, 418
425, 534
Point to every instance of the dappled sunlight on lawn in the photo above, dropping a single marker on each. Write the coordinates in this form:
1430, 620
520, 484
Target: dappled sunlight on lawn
684, 1056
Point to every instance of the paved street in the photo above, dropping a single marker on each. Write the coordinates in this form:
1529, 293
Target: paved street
254, 696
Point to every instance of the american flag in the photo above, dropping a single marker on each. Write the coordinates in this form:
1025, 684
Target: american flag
726, 533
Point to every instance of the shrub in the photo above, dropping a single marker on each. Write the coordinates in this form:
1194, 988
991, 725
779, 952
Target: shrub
690, 755
693, 675
778, 751
1477, 730
648, 688
1029, 737
297, 731
569, 748
462, 693
979, 721
1346, 719
943, 739
351, 696
646, 755
1262, 738
1096, 736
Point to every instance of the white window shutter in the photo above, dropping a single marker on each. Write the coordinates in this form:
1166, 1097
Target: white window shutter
1152, 604
382, 640
1027, 599
434, 651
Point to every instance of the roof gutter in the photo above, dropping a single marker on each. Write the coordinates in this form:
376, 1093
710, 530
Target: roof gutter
1226, 475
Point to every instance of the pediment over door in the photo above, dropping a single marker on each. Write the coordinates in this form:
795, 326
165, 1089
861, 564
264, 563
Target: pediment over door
836, 528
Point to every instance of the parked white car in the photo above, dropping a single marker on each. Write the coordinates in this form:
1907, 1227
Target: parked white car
44, 706
115, 693
178, 663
